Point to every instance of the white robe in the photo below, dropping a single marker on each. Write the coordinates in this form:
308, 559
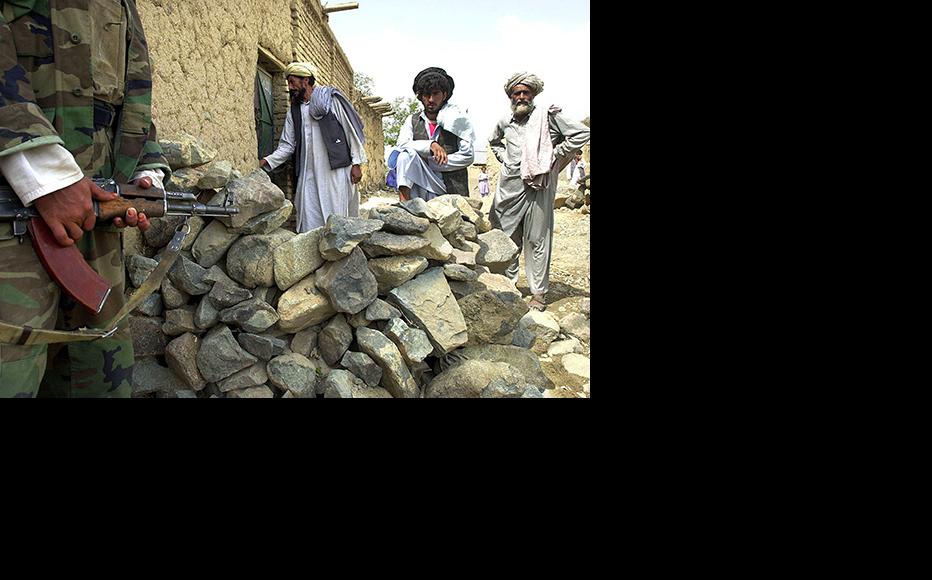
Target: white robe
320, 191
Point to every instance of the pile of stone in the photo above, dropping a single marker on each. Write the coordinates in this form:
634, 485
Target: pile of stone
571, 198
406, 300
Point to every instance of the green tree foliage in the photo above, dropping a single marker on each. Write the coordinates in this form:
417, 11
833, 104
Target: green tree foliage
363, 83
401, 107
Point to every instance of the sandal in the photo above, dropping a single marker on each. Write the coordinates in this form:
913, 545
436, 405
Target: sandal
537, 303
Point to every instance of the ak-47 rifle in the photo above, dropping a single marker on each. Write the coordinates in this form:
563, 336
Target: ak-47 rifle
65, 264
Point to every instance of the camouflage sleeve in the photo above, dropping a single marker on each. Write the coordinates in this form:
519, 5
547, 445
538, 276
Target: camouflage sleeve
22, 124
152, 157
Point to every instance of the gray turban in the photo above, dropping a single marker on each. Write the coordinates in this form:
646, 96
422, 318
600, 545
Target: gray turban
523, 78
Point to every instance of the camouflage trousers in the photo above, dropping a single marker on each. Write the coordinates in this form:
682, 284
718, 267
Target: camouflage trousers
28, 296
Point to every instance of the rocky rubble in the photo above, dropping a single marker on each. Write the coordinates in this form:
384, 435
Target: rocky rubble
405, 301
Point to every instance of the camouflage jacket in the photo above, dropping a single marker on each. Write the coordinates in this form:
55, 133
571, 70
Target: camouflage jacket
47, 88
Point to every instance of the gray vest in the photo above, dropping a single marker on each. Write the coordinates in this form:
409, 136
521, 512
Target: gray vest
455, 181
338, 149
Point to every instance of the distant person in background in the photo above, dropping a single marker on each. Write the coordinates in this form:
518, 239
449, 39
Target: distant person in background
534, 142
435, 147
325, 134
571, 171
483, 182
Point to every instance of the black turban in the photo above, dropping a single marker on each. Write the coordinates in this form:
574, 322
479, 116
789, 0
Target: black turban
433, 77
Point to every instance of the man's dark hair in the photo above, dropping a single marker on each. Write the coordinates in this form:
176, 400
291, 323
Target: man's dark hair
433, 79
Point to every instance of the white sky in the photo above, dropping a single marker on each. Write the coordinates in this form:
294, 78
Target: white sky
480, 43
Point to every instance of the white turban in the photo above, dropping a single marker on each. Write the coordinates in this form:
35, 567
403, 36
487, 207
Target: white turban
523, 78
301, 69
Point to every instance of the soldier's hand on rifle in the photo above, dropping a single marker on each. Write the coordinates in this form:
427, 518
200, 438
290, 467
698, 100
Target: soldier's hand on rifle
133, 220
69, 212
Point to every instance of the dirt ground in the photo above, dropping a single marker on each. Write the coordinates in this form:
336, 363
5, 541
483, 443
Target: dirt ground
569, 279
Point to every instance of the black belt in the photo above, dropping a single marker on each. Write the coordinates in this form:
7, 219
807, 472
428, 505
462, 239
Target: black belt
104, 115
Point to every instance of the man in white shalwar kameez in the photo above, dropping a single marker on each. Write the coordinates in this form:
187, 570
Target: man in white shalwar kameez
534, 143
328, 149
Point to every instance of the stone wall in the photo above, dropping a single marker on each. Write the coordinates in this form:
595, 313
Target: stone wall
204, 57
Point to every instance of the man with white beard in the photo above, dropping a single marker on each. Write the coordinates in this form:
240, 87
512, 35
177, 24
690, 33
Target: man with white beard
325, 134
533, 143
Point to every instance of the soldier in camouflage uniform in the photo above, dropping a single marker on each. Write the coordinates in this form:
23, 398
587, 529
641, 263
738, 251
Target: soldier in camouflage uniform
75, 102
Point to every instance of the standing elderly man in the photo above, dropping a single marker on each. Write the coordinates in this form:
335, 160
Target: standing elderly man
75, 94
325, 134
534, 144
435, 147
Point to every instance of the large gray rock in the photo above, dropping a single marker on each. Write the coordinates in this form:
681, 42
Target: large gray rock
226, 294
151, 306
428, 302
341, 234
348, 283
139, 268
303, 305
380, 310
220, 355
148, 339
483, 224
437, 248
212, 243
181, 356
262, 346
496, 250
206, 315
179, 321
416, 207
255, 194
576, 324
411, 342
398, 220
250, 260
396, 378
252, 316
253, 376
522, 359
466, 257
536, 330
459, 273
461, 203
215, 175
171, 296
339, 384
475, 379
304, 342
446, 216
297, 258
362, 365
189, 277
149, 377
491, 317
394, 271
294, 373
186, 151
385, 244
162, 230
499, 284
268, 222
334, 339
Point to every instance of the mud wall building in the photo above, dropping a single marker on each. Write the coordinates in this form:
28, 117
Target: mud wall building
218, 74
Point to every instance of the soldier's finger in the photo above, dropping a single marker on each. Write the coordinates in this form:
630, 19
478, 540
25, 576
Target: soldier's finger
143, 222
132, 217
99, 194
118, 222
144, 182
74, 231
89, 222
61, 235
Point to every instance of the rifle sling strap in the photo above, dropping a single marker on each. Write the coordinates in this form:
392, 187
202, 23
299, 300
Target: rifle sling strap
28, 336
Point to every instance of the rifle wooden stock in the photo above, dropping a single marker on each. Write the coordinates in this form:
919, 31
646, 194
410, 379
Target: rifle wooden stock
67, 267
117, 208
